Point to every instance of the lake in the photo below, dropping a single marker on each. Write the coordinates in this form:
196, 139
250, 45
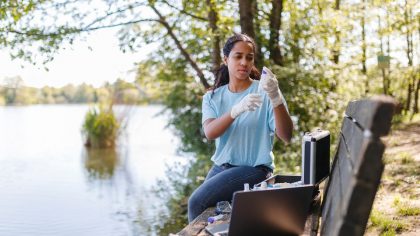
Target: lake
50, 184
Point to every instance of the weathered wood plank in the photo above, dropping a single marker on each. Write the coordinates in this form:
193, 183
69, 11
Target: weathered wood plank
374, 114
350, 191
346, 228
352, 137
312, 223
370, 166
196, 227
358, 202
337, 186
360, 148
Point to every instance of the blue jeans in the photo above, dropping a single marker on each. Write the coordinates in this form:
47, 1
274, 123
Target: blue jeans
220, 184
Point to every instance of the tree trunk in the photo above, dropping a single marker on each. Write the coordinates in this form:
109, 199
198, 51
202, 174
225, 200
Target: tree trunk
364, 46
215, 54
184, 52
384, 81
409, 52
410, 89
409, 35
275, 25
259, 39
388, 23
416, 94
246, 17
246, 20
384, 77
336, 47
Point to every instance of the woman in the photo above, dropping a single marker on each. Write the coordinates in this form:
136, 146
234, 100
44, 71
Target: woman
243, 122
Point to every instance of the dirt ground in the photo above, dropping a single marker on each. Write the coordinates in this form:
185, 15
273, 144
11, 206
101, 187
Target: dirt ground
396, 209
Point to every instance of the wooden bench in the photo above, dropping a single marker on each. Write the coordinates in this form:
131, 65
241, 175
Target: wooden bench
355, 173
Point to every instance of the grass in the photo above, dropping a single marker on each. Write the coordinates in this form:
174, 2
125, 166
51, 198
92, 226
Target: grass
402, 164
386, 225
406, 158
397, 206
405, 209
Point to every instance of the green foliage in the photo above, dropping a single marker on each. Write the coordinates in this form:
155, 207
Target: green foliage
100, 127
312, 99
387, 226
407, 210
182, 97
321, 43
404, 208
120, 92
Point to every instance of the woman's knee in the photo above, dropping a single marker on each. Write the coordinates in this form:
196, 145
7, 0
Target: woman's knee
193, 200
195, 205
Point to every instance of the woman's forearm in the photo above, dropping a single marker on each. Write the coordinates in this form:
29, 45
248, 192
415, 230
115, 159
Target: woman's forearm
214, 128
284, 124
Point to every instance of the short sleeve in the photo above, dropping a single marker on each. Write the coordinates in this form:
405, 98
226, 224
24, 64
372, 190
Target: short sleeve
208, 110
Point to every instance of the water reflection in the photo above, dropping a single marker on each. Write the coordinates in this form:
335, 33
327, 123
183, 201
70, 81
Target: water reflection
100, 164
108, 174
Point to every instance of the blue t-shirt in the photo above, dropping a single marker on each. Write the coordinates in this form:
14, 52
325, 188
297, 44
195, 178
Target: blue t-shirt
249, 139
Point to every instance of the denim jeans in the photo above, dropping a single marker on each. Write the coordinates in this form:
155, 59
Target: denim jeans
220, 184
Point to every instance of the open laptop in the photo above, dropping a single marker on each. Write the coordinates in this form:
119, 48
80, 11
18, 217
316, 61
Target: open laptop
279, 211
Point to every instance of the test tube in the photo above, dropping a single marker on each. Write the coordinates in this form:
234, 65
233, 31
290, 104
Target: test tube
246, 187
264, 75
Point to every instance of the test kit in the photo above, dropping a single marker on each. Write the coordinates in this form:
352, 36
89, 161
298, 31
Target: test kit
315, 156
280, 204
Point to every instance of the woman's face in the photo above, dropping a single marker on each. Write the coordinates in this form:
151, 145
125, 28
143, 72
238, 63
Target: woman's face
240, 60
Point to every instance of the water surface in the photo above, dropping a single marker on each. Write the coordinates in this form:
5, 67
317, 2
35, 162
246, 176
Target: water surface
50, 184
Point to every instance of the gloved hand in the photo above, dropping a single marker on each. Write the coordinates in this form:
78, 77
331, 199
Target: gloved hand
249, 103
270, 85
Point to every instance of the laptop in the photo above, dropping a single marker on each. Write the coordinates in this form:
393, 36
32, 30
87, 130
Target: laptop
279, 211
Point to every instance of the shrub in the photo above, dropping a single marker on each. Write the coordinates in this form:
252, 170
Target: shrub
100, 127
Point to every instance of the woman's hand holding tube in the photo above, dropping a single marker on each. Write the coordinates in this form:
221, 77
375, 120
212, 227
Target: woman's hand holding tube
249, 103
270, 85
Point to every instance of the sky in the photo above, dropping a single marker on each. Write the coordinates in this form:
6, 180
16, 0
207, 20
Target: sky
105, 62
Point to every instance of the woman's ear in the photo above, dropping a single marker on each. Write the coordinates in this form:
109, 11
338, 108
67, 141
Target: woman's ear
225, 60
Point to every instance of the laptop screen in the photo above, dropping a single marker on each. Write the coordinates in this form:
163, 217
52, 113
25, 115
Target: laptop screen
279, 211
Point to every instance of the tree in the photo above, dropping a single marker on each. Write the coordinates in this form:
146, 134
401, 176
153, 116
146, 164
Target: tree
248, 20
408, 19
337, 42
11, 87
275, 25
55, 35
364, 45
213, 17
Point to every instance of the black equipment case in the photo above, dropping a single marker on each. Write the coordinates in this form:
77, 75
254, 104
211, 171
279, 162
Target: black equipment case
315, 156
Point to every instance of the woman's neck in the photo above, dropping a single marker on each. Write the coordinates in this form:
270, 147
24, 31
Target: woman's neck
237, 86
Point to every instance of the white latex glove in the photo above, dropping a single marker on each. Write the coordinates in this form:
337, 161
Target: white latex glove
270, 85
249, 103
